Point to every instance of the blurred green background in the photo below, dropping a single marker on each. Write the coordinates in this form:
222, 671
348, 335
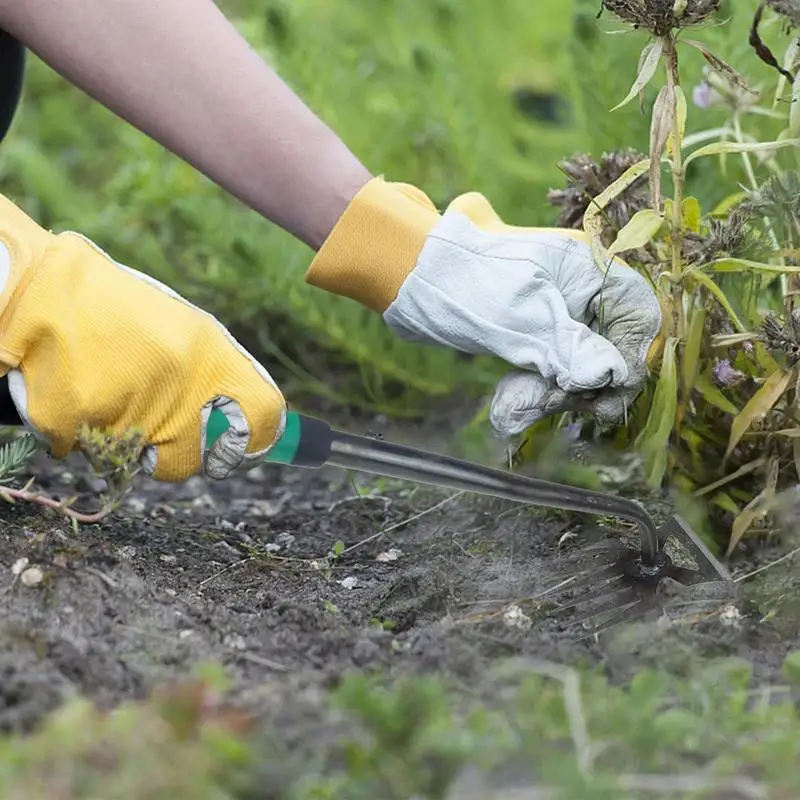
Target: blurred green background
451, 95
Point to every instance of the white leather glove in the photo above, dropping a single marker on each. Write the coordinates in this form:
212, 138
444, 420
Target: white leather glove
535, 298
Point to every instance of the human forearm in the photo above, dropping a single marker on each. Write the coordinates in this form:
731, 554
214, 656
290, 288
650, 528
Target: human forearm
179, 71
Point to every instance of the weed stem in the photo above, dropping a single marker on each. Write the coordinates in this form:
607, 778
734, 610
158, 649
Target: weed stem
673, 82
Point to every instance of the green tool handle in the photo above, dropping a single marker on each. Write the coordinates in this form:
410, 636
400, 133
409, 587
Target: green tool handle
306, 441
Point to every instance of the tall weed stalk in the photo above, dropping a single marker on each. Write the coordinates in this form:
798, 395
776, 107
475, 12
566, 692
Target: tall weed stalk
718, 421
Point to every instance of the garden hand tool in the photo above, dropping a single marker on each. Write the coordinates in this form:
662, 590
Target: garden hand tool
612, 577
533, 297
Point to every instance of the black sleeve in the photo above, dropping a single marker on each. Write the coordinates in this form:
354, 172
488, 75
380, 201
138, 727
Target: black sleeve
12, 69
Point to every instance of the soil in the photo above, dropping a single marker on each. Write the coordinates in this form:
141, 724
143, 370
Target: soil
236, 572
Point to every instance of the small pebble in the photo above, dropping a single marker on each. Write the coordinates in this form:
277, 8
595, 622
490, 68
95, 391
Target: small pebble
348, 583
169, 559
285, 540
126, 552
515, 617
32, 576
185, 634
135, 505
271, 547
19, 565
235, 642
256, 475
162, 509
389, 555
204, 501
730, 615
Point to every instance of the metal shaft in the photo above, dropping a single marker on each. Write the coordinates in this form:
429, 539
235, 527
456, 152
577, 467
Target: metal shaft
407, 463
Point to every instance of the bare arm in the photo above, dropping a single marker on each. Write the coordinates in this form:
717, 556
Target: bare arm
179, 71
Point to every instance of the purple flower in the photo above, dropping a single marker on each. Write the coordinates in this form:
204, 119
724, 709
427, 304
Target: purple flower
704, 96
726, 375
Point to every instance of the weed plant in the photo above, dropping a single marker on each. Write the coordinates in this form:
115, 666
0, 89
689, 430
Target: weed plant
719, 420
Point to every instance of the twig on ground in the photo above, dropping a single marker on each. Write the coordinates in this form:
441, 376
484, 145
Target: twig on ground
224, 571
785, 557
14, 495
396, 525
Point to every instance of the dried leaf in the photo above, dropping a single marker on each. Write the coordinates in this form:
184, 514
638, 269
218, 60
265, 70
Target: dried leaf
761, 403
639, 230
680, 111
761, 49
648, 64
720, 66
755, 509
660, 126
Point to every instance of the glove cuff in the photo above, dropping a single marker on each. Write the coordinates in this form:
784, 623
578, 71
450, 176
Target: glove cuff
375, 244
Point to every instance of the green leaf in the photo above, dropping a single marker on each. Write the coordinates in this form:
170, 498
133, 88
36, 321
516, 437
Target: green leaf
691, 350
713, 396
745, 265
757, 406
593, 217
791, 668
653, 440
724, 501
745, 469
708, 283
638, 231
718, 148
727, 203
648, 64
692, 214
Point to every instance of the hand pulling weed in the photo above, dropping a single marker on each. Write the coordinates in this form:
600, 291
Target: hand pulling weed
718, 422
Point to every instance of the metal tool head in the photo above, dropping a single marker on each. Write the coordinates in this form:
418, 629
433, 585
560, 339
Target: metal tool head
607, 585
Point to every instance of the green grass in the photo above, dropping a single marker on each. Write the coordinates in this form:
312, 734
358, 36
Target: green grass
554, 728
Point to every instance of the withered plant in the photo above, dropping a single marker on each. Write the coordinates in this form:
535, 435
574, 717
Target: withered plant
719, 419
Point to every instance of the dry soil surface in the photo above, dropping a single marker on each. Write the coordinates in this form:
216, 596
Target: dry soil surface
237, 572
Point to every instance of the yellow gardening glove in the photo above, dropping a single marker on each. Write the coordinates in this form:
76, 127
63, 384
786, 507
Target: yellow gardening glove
575, 336
86, 340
